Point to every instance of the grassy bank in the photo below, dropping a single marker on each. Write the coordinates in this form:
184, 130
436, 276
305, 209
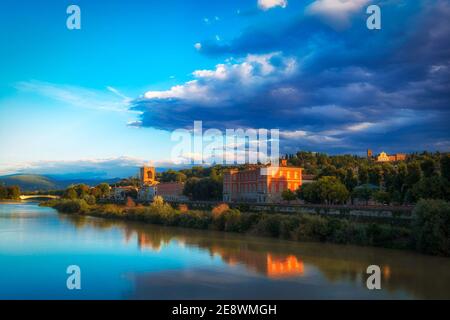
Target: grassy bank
427, 233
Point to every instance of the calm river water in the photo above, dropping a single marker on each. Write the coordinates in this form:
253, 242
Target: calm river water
123, 260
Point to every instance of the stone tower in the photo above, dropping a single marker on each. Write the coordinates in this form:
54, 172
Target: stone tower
369, 154
147, 175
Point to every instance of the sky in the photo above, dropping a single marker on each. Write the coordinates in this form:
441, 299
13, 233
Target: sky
110, 94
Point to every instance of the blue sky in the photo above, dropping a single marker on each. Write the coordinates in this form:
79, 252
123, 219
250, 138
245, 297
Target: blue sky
113, 91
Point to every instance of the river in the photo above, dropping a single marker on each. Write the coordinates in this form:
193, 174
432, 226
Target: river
126, 260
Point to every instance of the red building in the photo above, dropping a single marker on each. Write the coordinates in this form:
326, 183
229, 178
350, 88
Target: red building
260, 184
171, 191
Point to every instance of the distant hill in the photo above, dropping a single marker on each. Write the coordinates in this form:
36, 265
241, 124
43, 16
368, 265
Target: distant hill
33, 182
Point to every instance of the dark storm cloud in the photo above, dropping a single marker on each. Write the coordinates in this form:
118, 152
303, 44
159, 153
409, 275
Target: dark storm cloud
327, 88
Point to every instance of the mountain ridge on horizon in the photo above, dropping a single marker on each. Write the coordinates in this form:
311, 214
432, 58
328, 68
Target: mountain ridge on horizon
33, 182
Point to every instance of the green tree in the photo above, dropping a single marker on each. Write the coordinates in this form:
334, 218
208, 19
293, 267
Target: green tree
428, 167
288, 195
189, 187
434, 187
375, 175
70, 193
101, 191
389, 175
131, 181
414, 173
172, 176
327, 190
82, 190
400, 178
341, 174
363, 192
363, 175
445, 167
203, 189
432, 227
3, 192
215, 176
351, 180
382, 197
329, 170
90, 199
104, 190
309, 193
13, 192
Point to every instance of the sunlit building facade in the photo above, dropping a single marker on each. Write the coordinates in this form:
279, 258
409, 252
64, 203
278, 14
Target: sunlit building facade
384, 157
260, 184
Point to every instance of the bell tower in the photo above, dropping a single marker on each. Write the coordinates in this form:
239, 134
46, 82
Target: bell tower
147, 175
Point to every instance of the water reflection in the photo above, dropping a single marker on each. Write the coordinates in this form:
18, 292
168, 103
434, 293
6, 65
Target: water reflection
332, 268
284, 266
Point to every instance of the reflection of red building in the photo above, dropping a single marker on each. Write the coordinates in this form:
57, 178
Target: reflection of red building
284, 267
144, 241
260, 184
273, 266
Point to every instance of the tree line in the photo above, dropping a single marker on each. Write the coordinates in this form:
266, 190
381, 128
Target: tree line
10, 193
89, 194
344, 178
339, 179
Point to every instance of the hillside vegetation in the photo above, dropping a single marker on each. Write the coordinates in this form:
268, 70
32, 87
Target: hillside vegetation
34, 182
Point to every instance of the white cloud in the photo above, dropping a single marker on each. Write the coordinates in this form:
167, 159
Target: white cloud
134, 123
336, 12
118, 93
208, 85
301, 136
269, 4
360, 126
293, 134
78, 96
198, 46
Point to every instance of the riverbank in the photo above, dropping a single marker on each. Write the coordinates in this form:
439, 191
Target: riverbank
5, 201
419, 235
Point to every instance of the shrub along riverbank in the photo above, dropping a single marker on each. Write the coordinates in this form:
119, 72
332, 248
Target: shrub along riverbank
429, 231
